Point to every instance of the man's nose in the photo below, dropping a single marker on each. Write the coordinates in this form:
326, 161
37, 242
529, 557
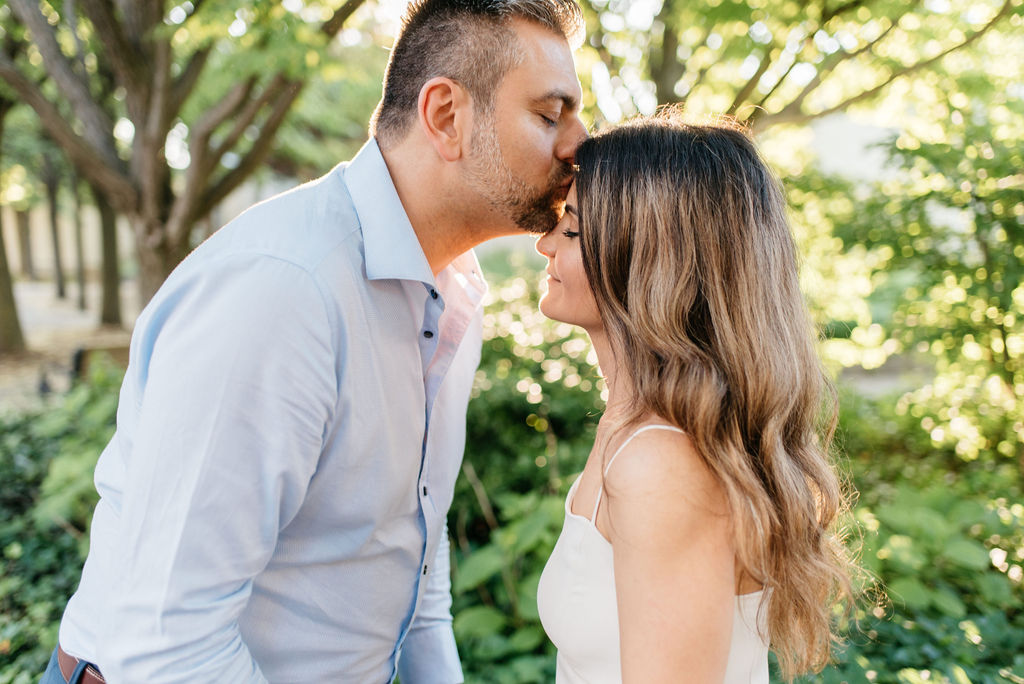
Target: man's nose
575, 134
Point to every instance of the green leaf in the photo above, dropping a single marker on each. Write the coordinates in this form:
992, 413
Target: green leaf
966, 513
479, 621
949, 603
530, 531
911, 592
530, 669
901, 550
912, 676
995, 588
526, 639
966, 553
960, 675
477, 568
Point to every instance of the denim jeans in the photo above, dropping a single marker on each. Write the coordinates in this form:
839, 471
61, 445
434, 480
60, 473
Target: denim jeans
53, 675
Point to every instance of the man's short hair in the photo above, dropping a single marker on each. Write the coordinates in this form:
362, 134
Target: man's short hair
469, 41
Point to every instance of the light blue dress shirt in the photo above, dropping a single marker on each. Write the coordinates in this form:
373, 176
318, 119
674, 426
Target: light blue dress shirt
289, 432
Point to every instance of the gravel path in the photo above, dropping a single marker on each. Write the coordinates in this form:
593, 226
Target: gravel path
54, 329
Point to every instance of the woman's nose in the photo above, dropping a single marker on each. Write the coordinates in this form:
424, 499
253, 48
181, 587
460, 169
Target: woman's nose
546, 244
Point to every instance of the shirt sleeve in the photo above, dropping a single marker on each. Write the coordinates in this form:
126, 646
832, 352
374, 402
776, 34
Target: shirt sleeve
429, 655
234, 375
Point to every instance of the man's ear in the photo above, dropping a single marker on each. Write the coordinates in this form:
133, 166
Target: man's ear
445, 112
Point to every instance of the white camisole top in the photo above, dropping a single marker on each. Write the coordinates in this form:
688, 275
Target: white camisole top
577, 605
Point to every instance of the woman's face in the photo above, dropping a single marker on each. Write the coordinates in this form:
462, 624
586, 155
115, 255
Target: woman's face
568, 297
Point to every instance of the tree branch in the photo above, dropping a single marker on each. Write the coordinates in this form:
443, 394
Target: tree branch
111, 179
273, 90
196, 4
828, 15
151, 133
279, 95
255, 157
771, 91
204, 160
667, 69
752, 82
203, 129
798, 116
795, 106
140, 16
332, 26
99, 129
700, 78
186, 81
122, 55
71, 16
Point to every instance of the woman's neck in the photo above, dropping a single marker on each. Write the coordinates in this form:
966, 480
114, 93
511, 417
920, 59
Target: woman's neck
619, 392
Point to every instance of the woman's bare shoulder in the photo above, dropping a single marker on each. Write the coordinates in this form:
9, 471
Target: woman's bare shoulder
660, 471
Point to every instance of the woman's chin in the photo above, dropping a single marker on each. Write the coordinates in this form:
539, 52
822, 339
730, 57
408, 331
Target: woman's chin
550, 308
544, 307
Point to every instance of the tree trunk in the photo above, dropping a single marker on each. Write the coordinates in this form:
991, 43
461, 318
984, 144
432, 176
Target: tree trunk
11, 339
156, 261
76, 196
110, 306
28, 270
156, 78
58, 263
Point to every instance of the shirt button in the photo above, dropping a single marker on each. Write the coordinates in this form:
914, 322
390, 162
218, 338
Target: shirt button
428, 334
424, 569
424, 491
433, 294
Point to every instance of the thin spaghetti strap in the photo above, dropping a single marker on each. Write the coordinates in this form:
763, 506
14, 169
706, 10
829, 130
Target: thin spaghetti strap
629, 439
600, 489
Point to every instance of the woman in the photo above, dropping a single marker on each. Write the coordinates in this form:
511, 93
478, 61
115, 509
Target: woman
700, 529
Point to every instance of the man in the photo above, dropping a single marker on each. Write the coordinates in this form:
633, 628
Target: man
292, 420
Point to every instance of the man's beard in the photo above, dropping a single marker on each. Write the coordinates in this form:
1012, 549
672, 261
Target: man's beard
535, 210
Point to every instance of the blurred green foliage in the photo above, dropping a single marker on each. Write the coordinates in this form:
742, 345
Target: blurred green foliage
924, 264
955, 261
939, 522
46, 463
946, 544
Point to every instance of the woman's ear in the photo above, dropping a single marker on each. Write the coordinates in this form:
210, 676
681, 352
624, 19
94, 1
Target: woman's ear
445, 112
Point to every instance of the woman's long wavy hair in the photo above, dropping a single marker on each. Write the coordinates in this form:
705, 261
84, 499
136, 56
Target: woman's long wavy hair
688, 251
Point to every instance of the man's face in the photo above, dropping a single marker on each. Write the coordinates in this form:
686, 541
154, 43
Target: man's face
522, 152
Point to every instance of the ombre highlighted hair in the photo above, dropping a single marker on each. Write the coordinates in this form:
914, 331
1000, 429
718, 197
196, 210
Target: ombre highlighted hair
688, 251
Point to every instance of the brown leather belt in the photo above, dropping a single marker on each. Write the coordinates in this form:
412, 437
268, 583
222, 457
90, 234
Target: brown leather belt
68, 663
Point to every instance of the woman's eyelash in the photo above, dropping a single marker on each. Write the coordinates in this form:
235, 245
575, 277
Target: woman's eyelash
571, 233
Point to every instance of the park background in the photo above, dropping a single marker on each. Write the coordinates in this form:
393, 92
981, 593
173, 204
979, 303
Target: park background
130, 129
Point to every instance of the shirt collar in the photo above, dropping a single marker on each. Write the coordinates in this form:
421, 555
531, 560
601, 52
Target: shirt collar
465, 272
391, 248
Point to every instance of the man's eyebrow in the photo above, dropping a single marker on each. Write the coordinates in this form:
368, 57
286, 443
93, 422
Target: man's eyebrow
568, 100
